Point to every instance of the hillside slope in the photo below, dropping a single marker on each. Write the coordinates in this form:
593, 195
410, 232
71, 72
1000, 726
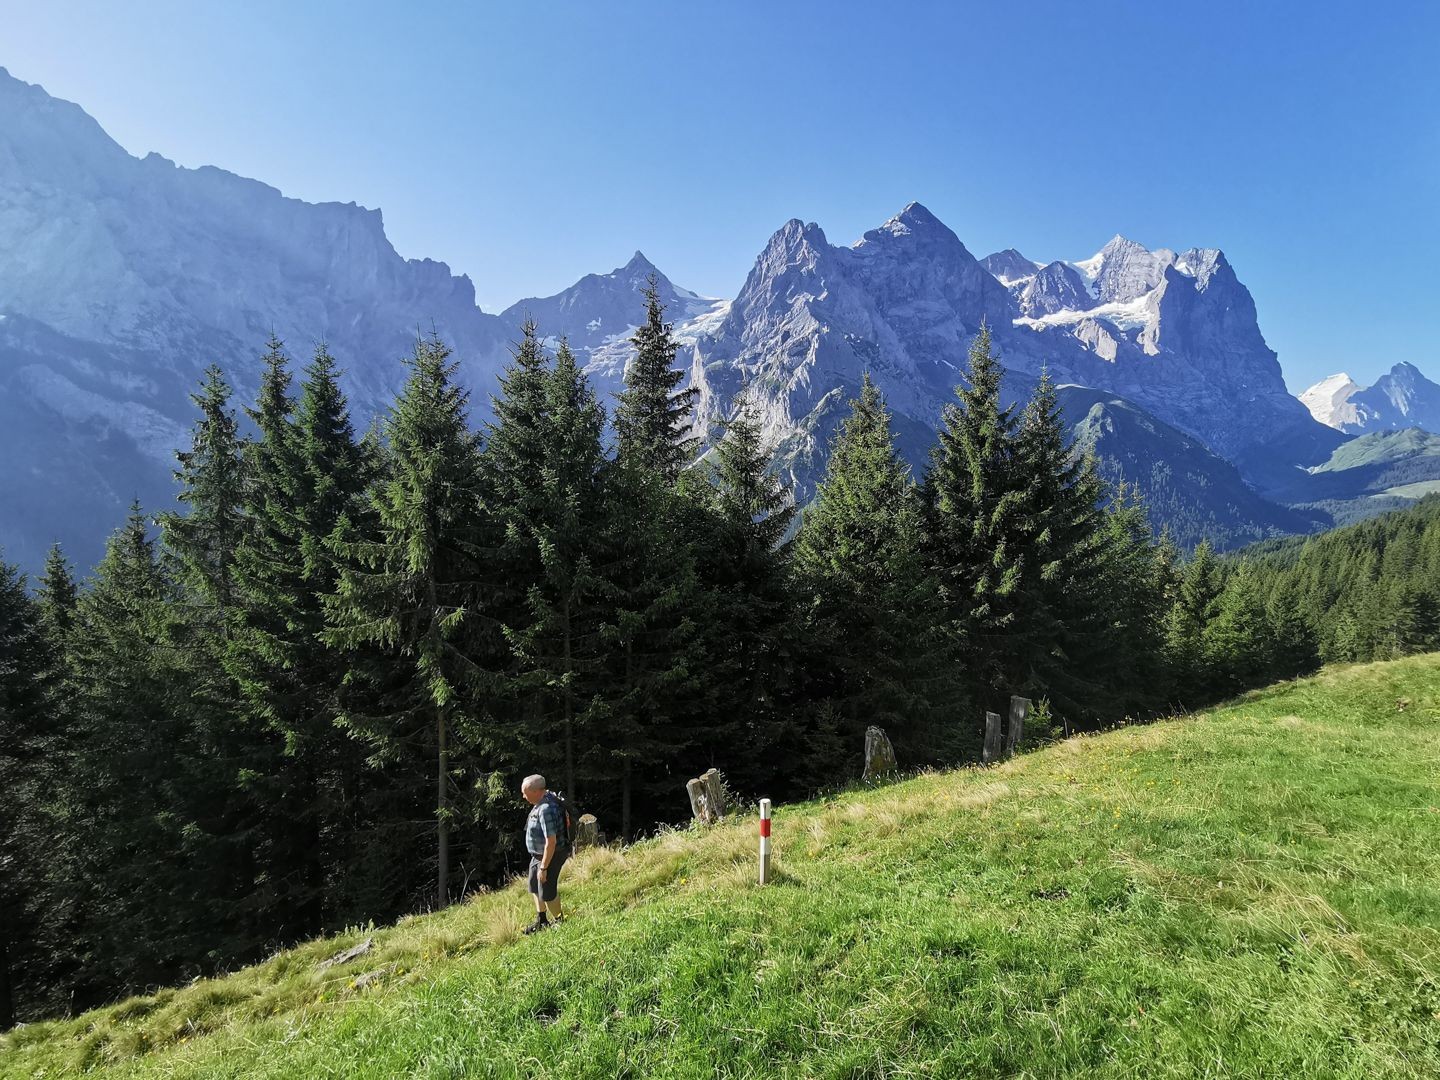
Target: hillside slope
1249, 892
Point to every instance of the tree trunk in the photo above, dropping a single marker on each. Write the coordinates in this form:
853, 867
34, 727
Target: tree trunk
7, 995
569, 712
6, 992
625, 803
312, 913
442, 818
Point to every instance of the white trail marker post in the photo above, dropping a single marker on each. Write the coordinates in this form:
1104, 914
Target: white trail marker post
764, 841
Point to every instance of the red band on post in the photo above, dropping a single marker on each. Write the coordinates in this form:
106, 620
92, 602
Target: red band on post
764, 826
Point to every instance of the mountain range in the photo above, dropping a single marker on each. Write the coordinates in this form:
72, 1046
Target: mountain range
1401, 398
121, 278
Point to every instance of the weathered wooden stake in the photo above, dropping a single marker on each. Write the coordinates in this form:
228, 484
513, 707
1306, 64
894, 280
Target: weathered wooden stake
992, 738
764, 841
707, 797
1019, 709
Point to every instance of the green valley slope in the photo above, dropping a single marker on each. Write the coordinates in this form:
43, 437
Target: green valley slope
1254, 891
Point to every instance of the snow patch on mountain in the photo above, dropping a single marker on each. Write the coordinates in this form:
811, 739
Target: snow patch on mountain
1329, 401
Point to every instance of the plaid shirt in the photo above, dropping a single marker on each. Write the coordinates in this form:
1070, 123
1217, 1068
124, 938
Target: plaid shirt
544, 820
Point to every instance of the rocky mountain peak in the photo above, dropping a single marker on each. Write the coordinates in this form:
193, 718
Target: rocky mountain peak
1401, 398
1124, 270
1009, 266
1055, 287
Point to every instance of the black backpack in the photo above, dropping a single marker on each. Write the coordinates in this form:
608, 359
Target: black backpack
567, 823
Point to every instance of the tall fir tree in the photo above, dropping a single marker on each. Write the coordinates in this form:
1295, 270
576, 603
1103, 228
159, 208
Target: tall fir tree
212, 486
1238, 643
24, 746
547, 456
869, 601
1196, 606
1061, 598
653, 417
199, 547
513, 464
651, 611
411, 597
751, 615
148, 778
974, 501
305, 471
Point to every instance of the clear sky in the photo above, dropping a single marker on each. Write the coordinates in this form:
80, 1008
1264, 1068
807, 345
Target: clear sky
529, 143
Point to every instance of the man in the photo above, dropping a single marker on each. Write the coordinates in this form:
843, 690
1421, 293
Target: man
549, 847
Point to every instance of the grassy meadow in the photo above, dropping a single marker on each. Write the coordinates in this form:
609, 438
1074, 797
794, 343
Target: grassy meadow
1249, 892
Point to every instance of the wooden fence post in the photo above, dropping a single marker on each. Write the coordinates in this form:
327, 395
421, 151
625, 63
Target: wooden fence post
992, 738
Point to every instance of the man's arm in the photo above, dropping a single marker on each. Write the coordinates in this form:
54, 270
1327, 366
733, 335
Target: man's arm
549, 854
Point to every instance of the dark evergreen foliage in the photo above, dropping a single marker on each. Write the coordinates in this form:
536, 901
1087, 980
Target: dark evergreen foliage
410, 603
867, 598
652, 417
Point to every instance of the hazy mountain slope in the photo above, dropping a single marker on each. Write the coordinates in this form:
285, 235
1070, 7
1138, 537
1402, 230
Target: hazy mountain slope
1193, 493
121, 278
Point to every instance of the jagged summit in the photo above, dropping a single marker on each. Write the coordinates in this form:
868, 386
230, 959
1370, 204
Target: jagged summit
638, 264
1009, 266
1401, 398
120, 276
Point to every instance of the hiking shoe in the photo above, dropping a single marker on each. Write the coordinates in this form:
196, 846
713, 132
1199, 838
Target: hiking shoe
536, 926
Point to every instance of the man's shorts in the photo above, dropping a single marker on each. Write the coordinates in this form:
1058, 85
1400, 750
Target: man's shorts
552, 876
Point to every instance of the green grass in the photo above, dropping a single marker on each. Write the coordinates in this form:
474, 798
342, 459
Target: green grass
1251, 892
1381, 447
1416, 490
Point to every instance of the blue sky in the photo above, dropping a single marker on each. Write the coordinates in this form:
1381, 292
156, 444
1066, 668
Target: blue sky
527, 144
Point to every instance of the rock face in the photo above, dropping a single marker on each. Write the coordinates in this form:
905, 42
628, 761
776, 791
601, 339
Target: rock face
1010, 267
879, 754
1177, 336
121, 278
1054, 288
1401, 398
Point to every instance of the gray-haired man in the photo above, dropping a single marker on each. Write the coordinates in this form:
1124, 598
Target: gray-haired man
549, 847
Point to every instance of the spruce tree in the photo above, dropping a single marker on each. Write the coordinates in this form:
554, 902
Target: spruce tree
305, 472
650, 633
751, 617
1063, 606
546, 457
410, 599
212, 485
652, 419
1238, 643
1196, 607
147, 777
974, 513
513, 465
23, 751
1119, 643
868, 598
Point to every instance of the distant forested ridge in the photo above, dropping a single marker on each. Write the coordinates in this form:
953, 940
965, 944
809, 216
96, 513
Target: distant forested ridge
307, 700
